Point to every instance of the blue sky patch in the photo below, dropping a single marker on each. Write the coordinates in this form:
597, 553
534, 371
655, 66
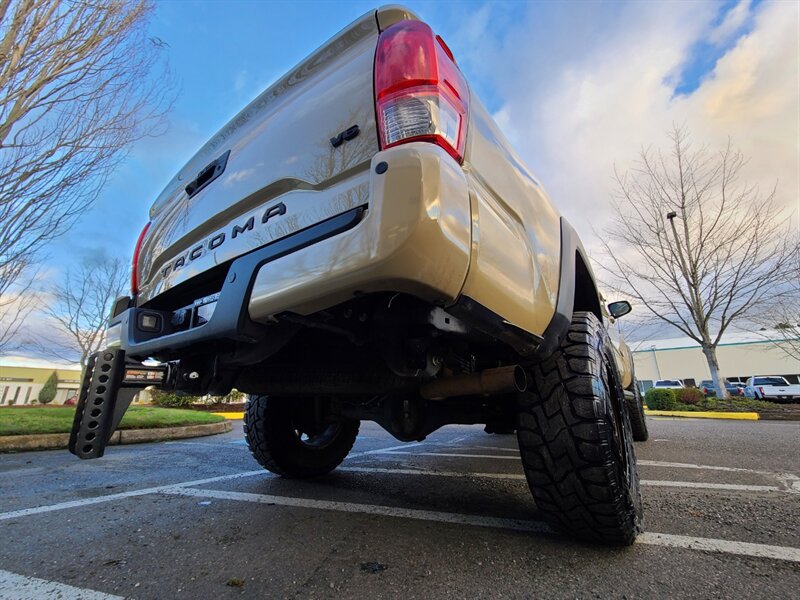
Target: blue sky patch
705, 53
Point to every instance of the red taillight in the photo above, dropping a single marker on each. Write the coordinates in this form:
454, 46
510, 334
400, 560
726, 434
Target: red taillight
761, 389
420, 94
135, 266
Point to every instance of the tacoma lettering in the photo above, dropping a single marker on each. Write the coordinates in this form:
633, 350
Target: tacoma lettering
219, 238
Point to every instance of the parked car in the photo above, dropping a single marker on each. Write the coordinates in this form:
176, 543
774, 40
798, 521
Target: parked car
669, 384
361, 242
733, 388
773, 388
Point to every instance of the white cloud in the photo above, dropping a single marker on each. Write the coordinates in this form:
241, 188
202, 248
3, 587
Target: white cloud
733, 21
583, 91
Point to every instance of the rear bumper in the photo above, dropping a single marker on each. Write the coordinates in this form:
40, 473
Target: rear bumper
229, 319
415, 238
413, 235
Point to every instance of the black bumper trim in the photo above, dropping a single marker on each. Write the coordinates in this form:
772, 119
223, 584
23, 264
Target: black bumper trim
230, 319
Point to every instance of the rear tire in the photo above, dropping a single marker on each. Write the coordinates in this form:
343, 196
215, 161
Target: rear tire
636, 411
285, 438
575, 439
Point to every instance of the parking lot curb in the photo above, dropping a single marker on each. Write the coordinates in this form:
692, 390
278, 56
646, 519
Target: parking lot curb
54, 441
232, 416
739, 416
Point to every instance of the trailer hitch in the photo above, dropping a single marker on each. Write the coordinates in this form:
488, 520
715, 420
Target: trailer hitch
108, 387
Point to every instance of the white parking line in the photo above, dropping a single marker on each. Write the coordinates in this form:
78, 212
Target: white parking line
370, 509
734, 487
21, 587
790, 481
514, 450
724, 546
456, 454
14, 514
674, 465
427, 472
456, 440
390, 450
515, 476
244, 443
132, 493
651, 539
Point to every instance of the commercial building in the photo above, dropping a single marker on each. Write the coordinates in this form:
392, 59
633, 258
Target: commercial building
740, 355
21, 378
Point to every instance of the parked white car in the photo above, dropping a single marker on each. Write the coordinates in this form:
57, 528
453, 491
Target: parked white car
669, 384
773, 387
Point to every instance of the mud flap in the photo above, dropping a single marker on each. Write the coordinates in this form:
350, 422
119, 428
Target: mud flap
107, 390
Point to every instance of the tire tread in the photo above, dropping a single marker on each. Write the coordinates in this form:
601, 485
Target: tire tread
273, 449
566, 442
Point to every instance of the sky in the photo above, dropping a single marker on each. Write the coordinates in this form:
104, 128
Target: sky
578, 87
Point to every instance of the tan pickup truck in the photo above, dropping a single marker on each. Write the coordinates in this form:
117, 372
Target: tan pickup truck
362, 242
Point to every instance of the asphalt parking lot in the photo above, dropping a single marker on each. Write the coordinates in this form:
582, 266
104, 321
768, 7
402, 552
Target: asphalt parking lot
451, 517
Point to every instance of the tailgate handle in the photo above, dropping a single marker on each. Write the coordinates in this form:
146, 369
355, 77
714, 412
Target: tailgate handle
208, 174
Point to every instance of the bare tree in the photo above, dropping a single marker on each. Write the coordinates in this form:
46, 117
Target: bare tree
787, 336
783, 315
80, 307
17, 300
79, 83
696, 246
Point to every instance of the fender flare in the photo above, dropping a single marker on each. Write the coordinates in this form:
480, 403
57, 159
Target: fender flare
575, 278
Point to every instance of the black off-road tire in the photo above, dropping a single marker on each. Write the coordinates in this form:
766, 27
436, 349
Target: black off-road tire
575, 439
636, 411
271, 434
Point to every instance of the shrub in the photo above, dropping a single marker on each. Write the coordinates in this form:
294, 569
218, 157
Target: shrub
48, 392
234, 397
709, 403
690, 396
659, 399
170, 399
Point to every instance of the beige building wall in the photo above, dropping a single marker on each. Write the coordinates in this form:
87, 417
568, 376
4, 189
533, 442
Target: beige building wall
740, 360
21, 385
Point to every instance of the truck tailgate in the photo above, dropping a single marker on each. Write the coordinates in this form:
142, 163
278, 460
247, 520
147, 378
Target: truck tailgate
278, 166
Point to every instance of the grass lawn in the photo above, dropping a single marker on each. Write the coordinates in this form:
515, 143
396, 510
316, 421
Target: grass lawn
21, 421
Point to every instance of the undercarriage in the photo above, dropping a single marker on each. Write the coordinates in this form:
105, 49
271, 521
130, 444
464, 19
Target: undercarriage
387, 358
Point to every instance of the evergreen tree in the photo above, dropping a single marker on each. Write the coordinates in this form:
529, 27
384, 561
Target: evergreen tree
48, 391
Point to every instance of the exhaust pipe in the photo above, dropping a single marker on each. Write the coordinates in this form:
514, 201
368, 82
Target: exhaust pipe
298, 382
501, 380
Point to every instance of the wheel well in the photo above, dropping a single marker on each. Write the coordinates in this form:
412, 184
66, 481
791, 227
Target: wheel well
586, 297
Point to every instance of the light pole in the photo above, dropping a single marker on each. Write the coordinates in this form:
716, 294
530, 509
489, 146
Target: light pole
670, 217
655, 359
